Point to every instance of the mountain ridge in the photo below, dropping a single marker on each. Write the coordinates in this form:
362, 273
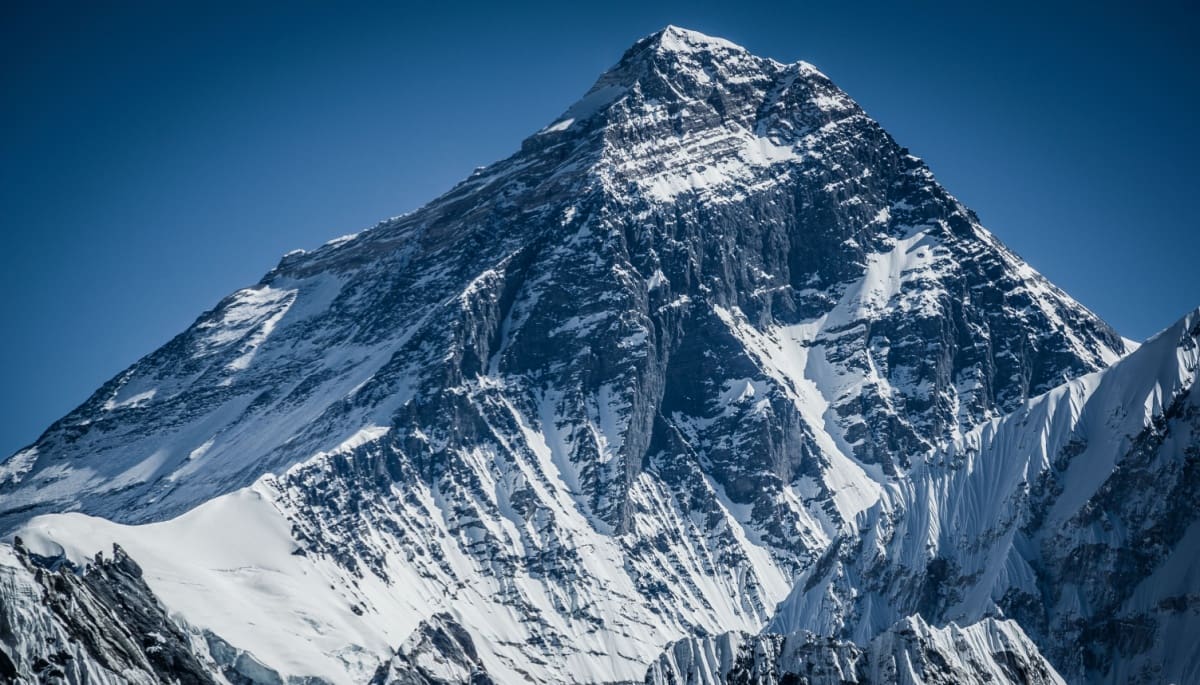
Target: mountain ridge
250, 312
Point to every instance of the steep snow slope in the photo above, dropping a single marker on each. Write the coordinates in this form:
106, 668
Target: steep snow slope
236, 567
228, 567
1077, 515
616, 390
911, 652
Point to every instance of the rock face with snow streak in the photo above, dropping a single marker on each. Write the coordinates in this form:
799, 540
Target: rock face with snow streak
1078, 515
439, 652
908, 653
101, 626
621, 388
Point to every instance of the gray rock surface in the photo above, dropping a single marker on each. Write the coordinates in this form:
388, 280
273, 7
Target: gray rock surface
910, 652
439, 652
1077, 515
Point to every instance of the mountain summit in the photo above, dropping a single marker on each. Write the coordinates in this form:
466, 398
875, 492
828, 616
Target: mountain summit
684, 356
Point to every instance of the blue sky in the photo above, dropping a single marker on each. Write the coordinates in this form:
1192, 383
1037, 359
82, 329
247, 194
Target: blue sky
157, 156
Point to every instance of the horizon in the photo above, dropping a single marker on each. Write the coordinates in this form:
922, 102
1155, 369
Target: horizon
221, 174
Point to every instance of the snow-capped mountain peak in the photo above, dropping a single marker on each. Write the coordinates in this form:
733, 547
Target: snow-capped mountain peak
678, 39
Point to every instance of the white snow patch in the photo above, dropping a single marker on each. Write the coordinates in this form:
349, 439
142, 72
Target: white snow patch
228, 566
586, 107
341, 239
18, 465
202, 449
657, 280
676, 39
131, 401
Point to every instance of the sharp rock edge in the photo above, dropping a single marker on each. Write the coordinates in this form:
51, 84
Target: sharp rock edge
709, 343
908, 653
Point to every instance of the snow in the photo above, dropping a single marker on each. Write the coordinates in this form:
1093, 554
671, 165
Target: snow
559, 126
887, 273
287, 386
688, 164
215, 442
966, 502
657, 280
228, 566
363, 436
587, 107
610, 424
201, 450
775, 581
341, 240
676, 39
834, 102
134, 400
12, 470
719, 164
786, 354
253, 311
989, 651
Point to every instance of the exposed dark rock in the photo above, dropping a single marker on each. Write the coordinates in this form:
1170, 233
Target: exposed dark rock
439, 652
101, 621
909, 653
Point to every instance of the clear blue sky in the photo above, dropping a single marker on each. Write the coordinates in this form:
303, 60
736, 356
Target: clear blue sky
157, 156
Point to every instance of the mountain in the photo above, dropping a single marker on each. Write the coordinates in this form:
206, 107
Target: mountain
1078, 515
667, 372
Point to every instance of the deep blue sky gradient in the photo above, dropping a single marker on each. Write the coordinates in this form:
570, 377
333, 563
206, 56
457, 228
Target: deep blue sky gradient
157, 156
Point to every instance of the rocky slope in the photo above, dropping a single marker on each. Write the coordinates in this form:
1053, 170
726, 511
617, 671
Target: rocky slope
97, 625
685, 347
439, 652
1078, 515
908, 653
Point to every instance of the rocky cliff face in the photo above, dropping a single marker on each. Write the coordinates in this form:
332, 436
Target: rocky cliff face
439, 652
621, 388
96, 625
911, 652
1076, 515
